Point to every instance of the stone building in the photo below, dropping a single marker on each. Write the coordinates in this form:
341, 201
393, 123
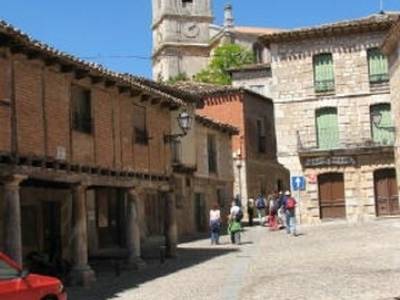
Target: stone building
85, 171
209, 180
333, 117
256, 168
184, 36
391, 48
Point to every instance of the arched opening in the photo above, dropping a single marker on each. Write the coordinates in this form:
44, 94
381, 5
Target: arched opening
386, 192
331, 196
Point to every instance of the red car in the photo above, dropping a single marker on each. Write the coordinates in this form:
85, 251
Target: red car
18, 284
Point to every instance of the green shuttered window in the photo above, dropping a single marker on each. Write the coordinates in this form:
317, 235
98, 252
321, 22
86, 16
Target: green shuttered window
327, 128
378, 66
324, 77
382, 133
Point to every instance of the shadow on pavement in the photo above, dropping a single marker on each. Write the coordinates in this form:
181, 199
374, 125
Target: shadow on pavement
109, 286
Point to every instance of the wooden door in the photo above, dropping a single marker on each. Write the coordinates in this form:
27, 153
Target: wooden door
331, 196
386, 194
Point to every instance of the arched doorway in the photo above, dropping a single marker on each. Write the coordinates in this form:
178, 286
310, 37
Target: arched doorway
331, 196
386, 193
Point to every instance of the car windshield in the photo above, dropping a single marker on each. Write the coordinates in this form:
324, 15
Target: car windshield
7, 272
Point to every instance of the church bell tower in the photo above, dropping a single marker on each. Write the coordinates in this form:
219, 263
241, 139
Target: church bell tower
181, 37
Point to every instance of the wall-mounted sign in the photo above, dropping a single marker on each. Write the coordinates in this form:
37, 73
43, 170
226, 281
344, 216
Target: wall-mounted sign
330, 161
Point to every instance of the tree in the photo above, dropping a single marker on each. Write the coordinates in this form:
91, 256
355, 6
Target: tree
225, 57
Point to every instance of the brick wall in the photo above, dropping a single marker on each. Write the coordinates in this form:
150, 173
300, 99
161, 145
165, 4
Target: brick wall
5, 105
43, 119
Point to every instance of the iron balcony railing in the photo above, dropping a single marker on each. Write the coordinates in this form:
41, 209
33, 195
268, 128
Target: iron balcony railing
324, 86
313, 140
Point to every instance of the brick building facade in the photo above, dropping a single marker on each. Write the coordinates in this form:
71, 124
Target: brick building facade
84, 166
255, 168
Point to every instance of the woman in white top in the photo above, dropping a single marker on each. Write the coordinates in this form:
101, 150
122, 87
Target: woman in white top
215, 224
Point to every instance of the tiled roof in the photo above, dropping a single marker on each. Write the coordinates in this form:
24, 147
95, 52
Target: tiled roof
251, 67
212, 90
255, 30
21, 42
208, 122
392, 38
375, 22
206, 90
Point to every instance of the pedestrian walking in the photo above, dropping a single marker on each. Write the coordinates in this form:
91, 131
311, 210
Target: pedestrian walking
281, 210
234, 223
273, 211
261, 206
215, 224
290, 211
250, 210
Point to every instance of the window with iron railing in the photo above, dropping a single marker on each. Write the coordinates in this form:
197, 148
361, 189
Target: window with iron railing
377, 66
324, 77
81, 109
327, 128
382, 132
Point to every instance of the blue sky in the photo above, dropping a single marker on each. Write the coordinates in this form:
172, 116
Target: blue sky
93, 28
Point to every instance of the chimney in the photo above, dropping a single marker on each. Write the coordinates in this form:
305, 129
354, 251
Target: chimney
228, 16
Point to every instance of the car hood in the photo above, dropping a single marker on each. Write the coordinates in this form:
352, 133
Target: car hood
39, 280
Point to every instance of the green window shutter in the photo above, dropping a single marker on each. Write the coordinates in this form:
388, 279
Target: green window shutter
324, 77
378, 66
327, 128
382, 133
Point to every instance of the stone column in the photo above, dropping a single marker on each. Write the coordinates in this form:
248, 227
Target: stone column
81, 273
172, 226
12, 217
133, 231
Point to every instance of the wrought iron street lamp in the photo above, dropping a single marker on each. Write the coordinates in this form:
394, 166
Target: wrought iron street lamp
185, 124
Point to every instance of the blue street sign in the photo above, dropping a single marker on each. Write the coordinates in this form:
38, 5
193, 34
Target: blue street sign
298, 183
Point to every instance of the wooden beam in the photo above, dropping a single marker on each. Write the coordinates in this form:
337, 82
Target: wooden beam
144, 98
17, 49
135, 92
96, 79
67, 68
123, 89
109, 83
81, 73
155, 100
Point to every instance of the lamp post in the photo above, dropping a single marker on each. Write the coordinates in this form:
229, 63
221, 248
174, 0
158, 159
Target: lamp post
185, 124
239, 167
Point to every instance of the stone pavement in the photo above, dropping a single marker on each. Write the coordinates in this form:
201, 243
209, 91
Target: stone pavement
331, 261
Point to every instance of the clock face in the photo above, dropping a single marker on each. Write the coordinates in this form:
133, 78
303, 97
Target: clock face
191, 30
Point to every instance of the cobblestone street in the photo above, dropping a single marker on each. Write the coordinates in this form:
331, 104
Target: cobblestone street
331, 261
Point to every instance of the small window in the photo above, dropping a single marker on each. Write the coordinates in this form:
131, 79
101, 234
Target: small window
186, 2
377, 66
7, 272
82, 109
212, 154
261, 136
139, 124
324, 77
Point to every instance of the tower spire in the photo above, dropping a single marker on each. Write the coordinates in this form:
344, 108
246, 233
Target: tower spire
228, 16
